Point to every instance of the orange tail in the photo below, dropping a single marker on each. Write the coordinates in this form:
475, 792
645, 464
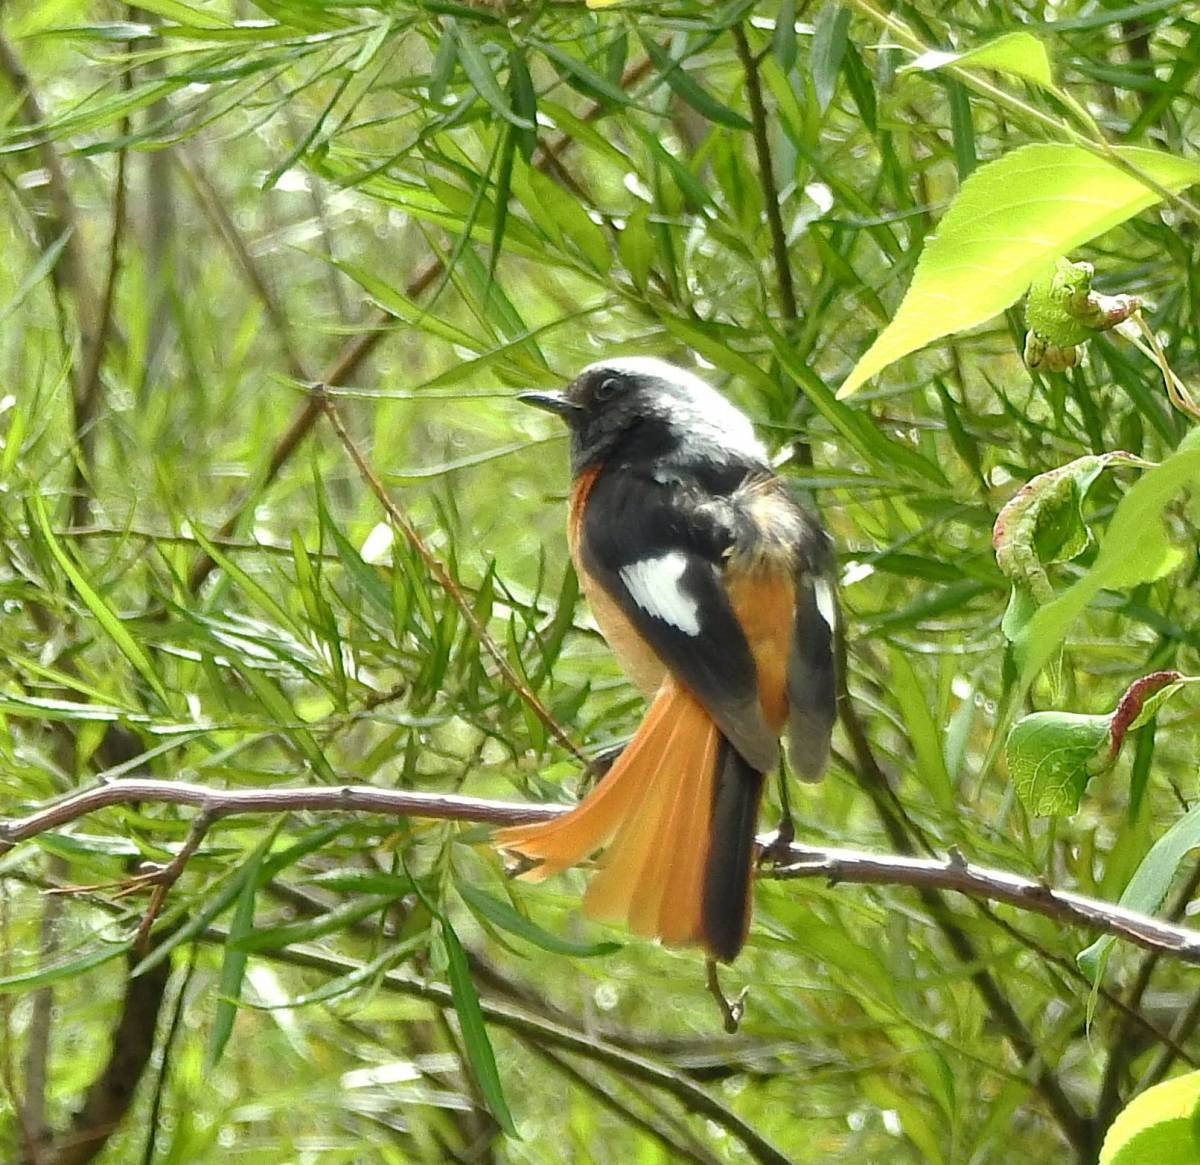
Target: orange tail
677, 813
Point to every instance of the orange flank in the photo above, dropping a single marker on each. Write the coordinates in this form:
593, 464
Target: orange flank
653, 811
764, 600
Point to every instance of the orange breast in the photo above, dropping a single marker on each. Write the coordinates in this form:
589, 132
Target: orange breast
644, 669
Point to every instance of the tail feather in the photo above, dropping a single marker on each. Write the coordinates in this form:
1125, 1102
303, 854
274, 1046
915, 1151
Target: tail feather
677, 812
682, 897
726, 909
575, 836
637, 893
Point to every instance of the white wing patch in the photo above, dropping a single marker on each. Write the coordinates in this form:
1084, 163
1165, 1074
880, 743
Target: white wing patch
826, 605
654, 585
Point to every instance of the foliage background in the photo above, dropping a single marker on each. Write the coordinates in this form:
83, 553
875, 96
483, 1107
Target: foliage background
214, 204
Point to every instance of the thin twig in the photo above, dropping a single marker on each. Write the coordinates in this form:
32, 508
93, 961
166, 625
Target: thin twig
447, 582
356, 350
766, 177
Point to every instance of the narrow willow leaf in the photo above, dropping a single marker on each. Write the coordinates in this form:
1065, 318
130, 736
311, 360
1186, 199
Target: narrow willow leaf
479, 72
280, 709
67, 969
1156, 1127
828, 49
233, 965
581, 76
1019, 54
307, 929
108, 619
689, 90
45, 264
474, 1032
1149, 884
501, 914
783, 41
923, 731
1011, 219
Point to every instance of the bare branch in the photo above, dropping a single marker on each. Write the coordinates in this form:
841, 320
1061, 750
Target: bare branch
836, 865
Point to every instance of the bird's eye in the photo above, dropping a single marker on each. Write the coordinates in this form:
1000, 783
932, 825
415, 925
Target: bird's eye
607, 387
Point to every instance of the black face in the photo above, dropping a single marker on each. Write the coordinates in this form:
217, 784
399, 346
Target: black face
643, 411
605, 407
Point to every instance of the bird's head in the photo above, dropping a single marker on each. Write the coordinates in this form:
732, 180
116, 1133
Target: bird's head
640, 409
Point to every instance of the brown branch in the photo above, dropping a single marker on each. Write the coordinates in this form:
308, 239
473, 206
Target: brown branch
446, 581
766, 174
836, 865
71, 274
111, 1093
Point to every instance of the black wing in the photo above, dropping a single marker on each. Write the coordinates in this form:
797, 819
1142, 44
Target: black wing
657, 548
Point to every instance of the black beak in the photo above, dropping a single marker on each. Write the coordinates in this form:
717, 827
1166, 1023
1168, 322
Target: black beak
552, 402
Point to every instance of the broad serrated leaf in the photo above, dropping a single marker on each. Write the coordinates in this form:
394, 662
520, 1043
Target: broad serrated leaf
1010, 220
1043, 523
1019, 54
1158, 1127
1053, 755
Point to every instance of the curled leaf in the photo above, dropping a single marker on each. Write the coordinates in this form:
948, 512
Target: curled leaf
1043, 523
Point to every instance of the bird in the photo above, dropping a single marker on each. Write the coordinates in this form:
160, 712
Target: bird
712, 586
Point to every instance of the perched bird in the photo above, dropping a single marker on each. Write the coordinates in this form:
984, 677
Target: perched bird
711, 586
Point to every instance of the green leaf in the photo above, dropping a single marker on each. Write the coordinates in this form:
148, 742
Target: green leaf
1135, 550
1149, 884
582, 77
288, 934
67, 969
687, 89
280, 709
503, 915
1157, 1127
479, 72
783, 40
233, 964
1020, 54
474, 1032
828, 49
924, 733
1011, 219
108, 619
1053, 755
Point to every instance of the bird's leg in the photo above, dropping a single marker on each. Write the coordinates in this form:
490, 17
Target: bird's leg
785, 832
604, 760
732, 1010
